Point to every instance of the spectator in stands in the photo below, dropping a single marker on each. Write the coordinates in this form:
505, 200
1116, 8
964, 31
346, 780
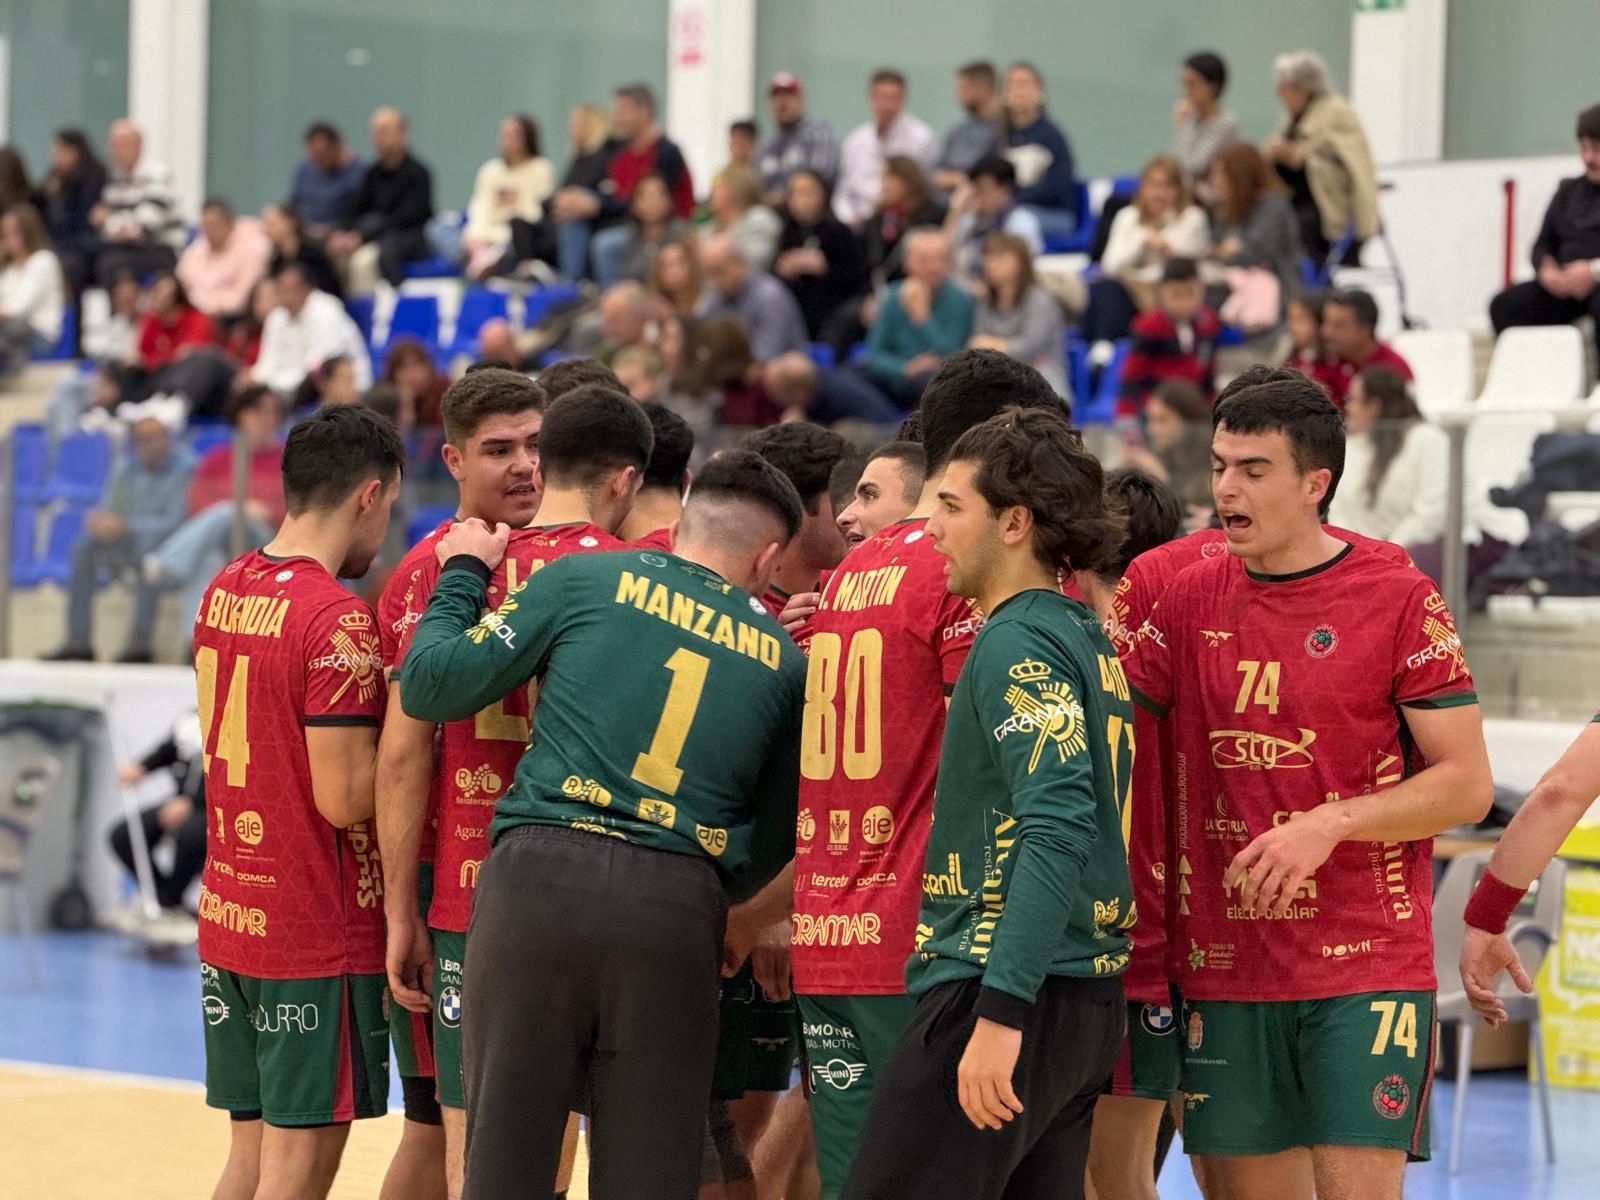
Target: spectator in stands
764, 306
988, 204
331, 385
798, 142
14, 185
641, 372
112, 334
623, 319
643, 150
977, 135
179, 820
307, 327
410, 370
1253, 225
1303, 316
138, 220
1566, 254
904, 204
220, 266
1350, 334
142, 505
1039, 151
924, 317
32, 293
512, 186
1176, 446
1395, 464
736, 207
327, 182
1201, 127
676, 281
497, 344
818, 257
1321, 152
70, 193
892, 133
1015, 315
391, 210
1158, 225
243, 343
651, 224
292, 244
743, 137
1175, 340
172, 327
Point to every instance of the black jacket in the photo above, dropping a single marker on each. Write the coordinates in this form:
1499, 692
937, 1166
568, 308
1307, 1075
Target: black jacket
394, 199
1571, 229
846, 277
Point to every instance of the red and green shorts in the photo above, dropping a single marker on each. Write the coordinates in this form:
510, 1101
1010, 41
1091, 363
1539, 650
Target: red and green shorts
1262, 1077
1151, 1061
295, 1052
412, 1032
449, 959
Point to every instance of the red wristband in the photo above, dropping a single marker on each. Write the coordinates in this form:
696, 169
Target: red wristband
1492, 903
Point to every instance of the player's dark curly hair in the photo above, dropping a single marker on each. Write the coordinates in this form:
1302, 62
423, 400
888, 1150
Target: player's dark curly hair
970, 387
570, 374
1268, 399
1154, 515
484, 393
674, 444
745, 476
335, 451
590, 433
806, 453
1035, 458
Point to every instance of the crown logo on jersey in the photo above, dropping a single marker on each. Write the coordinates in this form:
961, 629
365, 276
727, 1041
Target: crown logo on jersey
355, 619
1027, 671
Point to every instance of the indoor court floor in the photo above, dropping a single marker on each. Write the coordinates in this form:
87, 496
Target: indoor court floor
100, 1098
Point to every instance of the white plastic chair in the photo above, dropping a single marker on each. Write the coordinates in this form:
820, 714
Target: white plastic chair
1535, 367
1441, 361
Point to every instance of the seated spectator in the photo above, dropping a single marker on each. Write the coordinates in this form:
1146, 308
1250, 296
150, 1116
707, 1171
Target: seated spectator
1015, 315
798, 142
292, 244
621, 319
243, 343
143, 503
32, 292
651, 224
307, 327
172, 326
987, 204
977, 135
327, 182
1159, 224
643, 150
391, 210
111, 333
331, 385
766, 308
15, 187
1303, 316
743, 138
69, 194
736, 207
790, 384
410, 370
220, 266
1321, 153
1350, 334
1566, 252
892, 133
686, 392
510, 187
1201, 127
641, 371
818, 258
138, 222
1395, 464
1253, 226
179, 820
904, 204
923, 318
1039, 151
1175, 340
497, 344
1176, 446
676, 281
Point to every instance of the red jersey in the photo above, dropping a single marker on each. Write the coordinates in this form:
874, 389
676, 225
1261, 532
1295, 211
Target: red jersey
279, 646
478, 757
1335, 375
656, 539
887, 644
1284, 694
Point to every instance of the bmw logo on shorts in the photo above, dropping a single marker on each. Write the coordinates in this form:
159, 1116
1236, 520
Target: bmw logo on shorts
1157, 1019
450, 1007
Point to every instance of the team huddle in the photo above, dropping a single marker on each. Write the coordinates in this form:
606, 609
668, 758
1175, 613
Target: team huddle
958, 778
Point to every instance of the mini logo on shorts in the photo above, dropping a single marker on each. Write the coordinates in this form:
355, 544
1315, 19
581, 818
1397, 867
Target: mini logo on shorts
652, 560
1197, 1030
1391, 1097
1157, 1019
1322, 641
839, 1074
450, 1007
215, 1009
283, 577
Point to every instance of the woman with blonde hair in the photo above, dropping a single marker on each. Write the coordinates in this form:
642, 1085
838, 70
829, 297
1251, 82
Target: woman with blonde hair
32, 288
1161, 222
736, 207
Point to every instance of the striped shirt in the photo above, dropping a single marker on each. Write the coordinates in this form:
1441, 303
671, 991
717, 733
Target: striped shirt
1198, 140
141, 203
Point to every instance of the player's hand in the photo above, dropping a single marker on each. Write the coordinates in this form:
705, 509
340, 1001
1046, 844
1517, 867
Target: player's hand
129, 773
983, 1080
1483, 957
1270, 870
476, 538
408, 961
769, 960
802, 606
739, 939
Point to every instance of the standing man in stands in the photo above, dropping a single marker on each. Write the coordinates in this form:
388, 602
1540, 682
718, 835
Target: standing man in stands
139, 221
798, 142
391, 210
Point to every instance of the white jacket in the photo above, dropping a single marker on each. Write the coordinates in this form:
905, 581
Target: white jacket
1409, 507
293, 347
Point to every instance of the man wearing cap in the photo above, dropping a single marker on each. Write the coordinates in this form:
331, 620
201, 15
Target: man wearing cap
798, 141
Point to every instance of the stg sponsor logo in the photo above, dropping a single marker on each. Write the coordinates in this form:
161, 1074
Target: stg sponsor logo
369, 870
1231, 748
837, 929
838, 1074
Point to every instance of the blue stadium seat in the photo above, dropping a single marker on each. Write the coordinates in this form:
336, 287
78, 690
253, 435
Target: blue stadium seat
537, 303
30, 462
55, 564
822, 354
1077, 351
83, 463
360, 310
479, 306
857, 354
62, 350
24, 524
1125, 185
432, 267
1101, 408
426, 519
415, 316
205, 438
1081, 239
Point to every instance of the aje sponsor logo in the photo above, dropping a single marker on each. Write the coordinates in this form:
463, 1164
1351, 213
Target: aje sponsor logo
249, 828
837, 929
1232, 748
713, 839
877, 825
234, 917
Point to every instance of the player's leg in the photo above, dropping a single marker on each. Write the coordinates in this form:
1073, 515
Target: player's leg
1286, 1174
1127, 1121
417, 1171
449, 953
233, 1081
1358, 1172
787, 1143
242, 1172
300, 1163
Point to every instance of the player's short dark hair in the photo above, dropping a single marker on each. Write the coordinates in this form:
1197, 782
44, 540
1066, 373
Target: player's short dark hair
640, 93
971, 386
591, 432
1589, 123
746, 127
845, 475
479, 395
1153, 512
979, 70
1180, 270
1036, 459
671, 450
323, 129
335, 451
1283, 400
888, 75
913, 465
996, 168
1210, 67
1358, 302
804, 452
570, 374
745, 476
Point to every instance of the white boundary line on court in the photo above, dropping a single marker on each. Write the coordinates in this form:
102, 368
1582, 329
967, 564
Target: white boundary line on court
92, 1074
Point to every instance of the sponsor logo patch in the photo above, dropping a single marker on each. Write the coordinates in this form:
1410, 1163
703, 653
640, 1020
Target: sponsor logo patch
450, 1007
1391, 1097
839, 1074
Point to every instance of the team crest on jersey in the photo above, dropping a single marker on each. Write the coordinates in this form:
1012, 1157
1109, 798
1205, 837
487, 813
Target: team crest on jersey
914, 536
652, 560
1215, 637
360, 660
1213, 550
588, 541
1391, 1097
355, 619
1046, 709
1322, 641
283, 577
1157, 1020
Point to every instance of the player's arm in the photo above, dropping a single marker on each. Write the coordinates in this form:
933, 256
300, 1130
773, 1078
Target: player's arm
776, 802
404, 776
343, 707
344, 761
1546, 817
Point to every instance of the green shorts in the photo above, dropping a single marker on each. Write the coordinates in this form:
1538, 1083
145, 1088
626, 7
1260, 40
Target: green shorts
1151, 1061
758, 1040
1270, 1076
848, 1040
449, 955
412, 1033
295, 1051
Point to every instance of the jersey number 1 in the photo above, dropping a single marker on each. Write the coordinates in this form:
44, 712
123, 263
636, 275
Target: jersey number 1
233, 743
658, 766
